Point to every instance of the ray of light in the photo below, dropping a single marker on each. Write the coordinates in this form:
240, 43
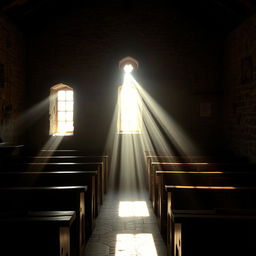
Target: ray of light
133, 209
51, 145
159, 135
135, 244
23, 121
155, 114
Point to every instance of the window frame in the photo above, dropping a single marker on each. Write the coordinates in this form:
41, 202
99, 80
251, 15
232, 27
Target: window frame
54, 110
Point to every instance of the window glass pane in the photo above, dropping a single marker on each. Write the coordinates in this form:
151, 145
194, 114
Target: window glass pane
130, 112
69, 116
61, 116
69, 95
69, 126
61, 106
61, 111
61, 126
61, 95
69, 106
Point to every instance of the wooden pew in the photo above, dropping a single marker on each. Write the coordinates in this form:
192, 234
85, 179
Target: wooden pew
214, 232
59, 152
79, 156
175, 166
72, 166
37, 233
191, 166
194, 199
199, 163
58, 178
151, 157
64, 167
47, 198
194, 178
101, 160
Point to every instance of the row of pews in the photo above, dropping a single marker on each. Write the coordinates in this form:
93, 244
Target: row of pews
203, 207
49, 202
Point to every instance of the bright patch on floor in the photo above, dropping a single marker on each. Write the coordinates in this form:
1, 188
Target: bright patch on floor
135, 245
133, 209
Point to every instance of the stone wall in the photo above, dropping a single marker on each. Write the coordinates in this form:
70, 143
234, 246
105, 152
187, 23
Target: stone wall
240, 81
12, 80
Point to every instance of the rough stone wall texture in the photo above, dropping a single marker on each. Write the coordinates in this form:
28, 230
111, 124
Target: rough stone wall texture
12, 80
240, 96
179, 67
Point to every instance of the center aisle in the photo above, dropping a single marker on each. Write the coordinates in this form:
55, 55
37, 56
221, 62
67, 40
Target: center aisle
126, 226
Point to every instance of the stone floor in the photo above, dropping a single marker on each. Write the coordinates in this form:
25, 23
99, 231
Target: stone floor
136, 235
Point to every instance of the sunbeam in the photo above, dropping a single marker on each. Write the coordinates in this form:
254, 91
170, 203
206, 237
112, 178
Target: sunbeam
141, 125
133, 209
135, 244
47, 149
22, 122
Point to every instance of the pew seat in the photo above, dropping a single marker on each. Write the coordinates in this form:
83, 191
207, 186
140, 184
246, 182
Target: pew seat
185, 201
37, 233
26, 199
213, 232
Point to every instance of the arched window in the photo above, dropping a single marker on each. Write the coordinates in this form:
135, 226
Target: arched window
61, 110
129, 108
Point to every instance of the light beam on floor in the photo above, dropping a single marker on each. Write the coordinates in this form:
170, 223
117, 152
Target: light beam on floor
135, 245
133, 209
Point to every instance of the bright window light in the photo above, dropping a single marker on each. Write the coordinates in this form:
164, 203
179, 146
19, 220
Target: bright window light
135, 244
61, 110
128, 68
65, 112
129, 118
133, 209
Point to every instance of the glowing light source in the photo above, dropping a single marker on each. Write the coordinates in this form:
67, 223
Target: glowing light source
65, 112
129, 110
128, 68
128, 61
61, 110
133, 209
130, 116
135, 244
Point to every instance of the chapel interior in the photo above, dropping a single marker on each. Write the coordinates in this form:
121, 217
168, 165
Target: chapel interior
127, 128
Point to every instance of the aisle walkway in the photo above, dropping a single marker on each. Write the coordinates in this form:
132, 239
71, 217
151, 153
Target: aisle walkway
126, 226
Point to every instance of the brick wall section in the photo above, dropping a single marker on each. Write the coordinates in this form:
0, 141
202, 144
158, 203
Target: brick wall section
240, 80
179, 62
12, 88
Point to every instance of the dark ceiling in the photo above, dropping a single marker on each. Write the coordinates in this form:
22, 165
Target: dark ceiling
223, 15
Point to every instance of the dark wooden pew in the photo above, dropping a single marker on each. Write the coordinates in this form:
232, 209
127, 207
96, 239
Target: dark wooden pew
59, 152
43, 167
196, 200
47, 198
58, 178
217, 233
37, 233
78, 156
73, 166
102, 160
174, 166
192, 166
151, 157
208, 178
192, 163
